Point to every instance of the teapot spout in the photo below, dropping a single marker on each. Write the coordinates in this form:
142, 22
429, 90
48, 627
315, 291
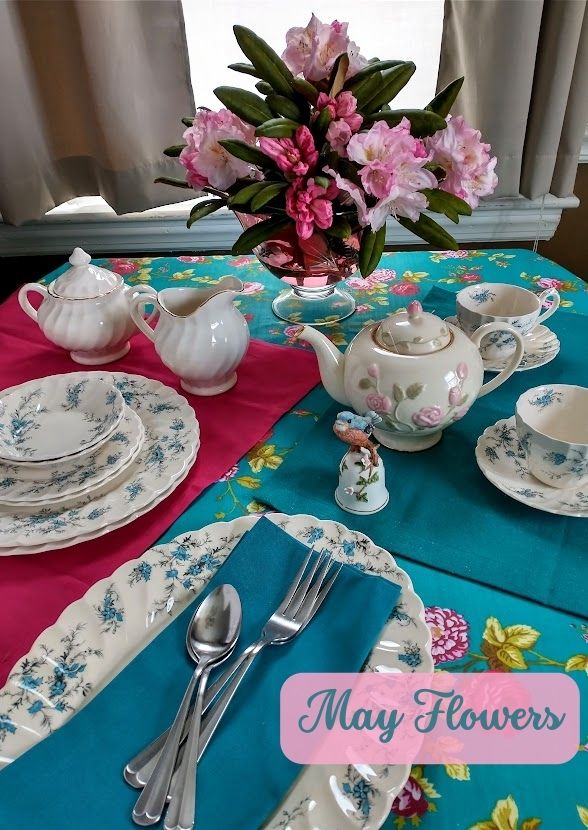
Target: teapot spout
331, 363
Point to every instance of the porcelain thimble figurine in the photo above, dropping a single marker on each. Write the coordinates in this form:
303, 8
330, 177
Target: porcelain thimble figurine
362, 478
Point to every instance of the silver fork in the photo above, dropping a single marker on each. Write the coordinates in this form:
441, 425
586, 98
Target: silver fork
295, 612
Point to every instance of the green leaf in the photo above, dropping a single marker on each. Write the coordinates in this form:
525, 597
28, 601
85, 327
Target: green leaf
422, 122
398, 393
306, 89
320, 127
245, 152
370, 249
365, 383
264, 88
269, 192
188, 122
442, 202
277, 128
367, 88
259, 233
392, 82
340, 227
241, 197
247, 105
338, 72
269, 65
414, 390
203, 209
376, 66
245, 68
174, 151
322, 181
430, 231
281, 105
444, 100
172, 182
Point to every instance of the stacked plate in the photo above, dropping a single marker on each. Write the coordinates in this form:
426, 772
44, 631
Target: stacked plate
84, 453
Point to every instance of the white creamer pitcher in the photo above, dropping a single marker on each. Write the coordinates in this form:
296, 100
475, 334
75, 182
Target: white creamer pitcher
199, 334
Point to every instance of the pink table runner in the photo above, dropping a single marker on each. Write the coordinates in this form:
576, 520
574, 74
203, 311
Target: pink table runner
34, 589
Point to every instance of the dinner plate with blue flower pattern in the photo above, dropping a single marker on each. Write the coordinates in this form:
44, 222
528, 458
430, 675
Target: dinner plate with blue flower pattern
172, 438
502, 460
120, 615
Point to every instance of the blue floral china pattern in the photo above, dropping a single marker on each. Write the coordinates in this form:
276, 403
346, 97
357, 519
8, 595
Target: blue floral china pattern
171, 442
99, 634
56, 417
502, 459
50, 483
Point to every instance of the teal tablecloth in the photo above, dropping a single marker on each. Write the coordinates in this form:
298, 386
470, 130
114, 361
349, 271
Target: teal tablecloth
539, 638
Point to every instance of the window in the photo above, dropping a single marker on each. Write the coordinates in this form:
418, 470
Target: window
388, 29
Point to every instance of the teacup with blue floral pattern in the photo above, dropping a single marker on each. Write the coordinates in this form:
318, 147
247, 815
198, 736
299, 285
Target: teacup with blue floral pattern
552, 428
513, 305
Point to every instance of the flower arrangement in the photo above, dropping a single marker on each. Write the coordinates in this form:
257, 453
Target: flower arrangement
321, 150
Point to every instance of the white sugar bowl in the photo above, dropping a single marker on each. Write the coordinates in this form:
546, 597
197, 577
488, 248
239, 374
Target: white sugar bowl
86, 310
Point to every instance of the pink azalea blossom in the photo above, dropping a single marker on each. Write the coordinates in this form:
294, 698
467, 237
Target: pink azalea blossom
550, 282
405, 289
354, 193
469, 168
338, 136
450, 632
379, 403
205, 160
309, 204
294, 156
252, 287
192, 259
312, 51
345, 120
428, 416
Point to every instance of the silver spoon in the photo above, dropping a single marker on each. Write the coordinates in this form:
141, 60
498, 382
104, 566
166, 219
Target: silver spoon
212, 635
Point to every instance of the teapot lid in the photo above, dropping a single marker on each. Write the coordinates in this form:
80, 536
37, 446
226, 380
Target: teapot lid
84, 281
413, 332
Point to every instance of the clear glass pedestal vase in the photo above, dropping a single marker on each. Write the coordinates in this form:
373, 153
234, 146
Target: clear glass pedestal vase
312, 268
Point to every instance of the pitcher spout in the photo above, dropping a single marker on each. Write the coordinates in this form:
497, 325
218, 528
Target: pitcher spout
331, 363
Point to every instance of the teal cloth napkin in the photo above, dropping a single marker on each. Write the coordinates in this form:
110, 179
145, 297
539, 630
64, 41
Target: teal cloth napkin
74, 777
442, 511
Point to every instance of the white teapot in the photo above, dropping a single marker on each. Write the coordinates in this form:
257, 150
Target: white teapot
415, 370
85, 310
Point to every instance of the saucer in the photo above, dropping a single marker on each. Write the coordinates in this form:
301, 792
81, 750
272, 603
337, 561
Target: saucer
541, 347
502, 460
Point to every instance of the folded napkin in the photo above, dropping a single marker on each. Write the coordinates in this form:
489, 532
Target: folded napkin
442, 511
230, 424
73, 778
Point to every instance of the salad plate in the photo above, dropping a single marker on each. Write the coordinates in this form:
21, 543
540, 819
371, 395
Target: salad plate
119, 616
502, 460
50, 483
56, 417
541, 347
170, 447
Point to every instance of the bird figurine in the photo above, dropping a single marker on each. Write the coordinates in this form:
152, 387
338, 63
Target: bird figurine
356, 430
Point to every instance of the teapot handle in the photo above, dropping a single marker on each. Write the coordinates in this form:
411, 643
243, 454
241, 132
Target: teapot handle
137, 311
24, 300
145, 289
512, 364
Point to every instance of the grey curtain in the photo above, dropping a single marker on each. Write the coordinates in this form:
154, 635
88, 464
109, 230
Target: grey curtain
526, 86
91, 91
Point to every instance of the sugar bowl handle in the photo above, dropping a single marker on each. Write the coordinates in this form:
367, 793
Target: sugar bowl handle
24, 300
137, 309
512, 364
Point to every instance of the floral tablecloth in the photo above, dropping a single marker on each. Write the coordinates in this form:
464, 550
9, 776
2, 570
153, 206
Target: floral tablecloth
474, 628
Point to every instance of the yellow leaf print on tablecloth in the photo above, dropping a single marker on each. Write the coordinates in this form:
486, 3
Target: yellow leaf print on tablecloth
505, 816
264, 455
579, 662
583, 813
504, 646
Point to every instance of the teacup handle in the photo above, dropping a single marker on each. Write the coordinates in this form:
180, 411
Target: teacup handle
512, 364
24, 300
145, 289
137, 309
549, 292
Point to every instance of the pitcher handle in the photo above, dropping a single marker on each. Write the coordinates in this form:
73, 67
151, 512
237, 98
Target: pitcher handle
145, 289
512, 364
137, 309
549, 292
24, 300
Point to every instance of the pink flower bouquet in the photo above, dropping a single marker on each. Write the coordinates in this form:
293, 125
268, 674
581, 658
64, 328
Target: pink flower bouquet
320, 150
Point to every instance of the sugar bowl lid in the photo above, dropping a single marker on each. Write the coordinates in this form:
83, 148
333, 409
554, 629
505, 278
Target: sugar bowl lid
83, 280
413, 332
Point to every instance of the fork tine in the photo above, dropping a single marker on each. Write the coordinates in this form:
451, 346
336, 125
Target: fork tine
312, 604
302, 589
295, 583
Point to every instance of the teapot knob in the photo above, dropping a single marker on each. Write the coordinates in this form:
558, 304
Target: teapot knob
414, 309
79, 257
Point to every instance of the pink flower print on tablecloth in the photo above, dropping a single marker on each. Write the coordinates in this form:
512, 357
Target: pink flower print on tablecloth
378, 277
405, 289
192, 259
241, 261
550, 282
411, 801
231, 473
122, 266
252, 287
450, 633
470, 278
